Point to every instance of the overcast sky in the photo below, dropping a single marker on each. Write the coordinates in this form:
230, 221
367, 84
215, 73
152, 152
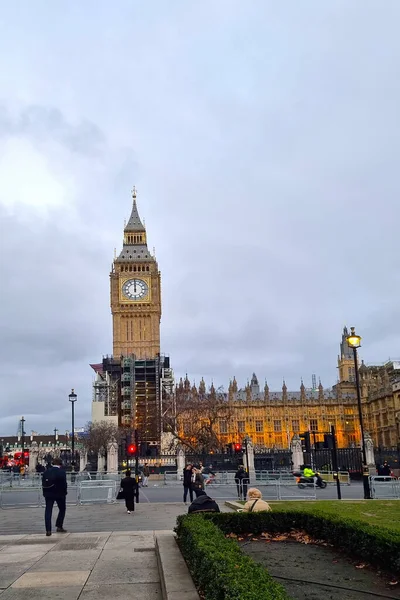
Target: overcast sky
263, 138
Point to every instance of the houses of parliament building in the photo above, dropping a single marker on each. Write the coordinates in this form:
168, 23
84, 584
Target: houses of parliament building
134, 384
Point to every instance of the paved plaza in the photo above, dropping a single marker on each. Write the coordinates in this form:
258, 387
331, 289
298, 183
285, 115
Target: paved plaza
79, 565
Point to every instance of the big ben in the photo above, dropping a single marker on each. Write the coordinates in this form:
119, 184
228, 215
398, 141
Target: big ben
130, 384
135, 286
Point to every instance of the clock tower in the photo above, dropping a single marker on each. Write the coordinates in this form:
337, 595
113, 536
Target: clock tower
135, 284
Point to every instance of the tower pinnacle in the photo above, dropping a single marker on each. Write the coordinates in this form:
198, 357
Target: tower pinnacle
134, 223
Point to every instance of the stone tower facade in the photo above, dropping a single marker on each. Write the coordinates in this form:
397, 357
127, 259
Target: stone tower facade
135, 285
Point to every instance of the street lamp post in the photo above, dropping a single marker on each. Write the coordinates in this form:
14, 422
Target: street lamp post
23, 440
354, 342
73, 398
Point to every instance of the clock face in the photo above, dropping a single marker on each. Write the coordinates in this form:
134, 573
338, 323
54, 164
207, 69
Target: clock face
135, 289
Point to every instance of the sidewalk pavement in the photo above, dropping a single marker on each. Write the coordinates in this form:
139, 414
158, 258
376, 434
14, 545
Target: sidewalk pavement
144, 565
89, 566
96, 517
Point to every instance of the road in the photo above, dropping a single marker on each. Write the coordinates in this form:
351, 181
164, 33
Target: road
28, 496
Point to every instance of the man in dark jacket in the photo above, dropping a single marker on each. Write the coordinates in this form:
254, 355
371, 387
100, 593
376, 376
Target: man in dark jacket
54, 484
242, 480
203, 503
187, 483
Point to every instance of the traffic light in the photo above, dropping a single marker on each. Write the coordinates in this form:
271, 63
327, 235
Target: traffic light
237, 448
328, 441
307, 441
131, 449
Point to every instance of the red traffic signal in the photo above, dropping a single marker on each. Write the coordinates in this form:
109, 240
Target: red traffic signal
238, 447
131, 449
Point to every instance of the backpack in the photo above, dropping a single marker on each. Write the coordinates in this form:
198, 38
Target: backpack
48, 480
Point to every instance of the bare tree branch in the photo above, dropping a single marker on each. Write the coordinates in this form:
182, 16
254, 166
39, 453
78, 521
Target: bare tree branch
98, 435
195, 423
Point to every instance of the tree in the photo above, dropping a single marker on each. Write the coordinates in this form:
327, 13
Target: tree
97, 436
195, 417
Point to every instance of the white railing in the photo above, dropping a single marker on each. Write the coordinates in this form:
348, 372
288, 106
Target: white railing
384, 487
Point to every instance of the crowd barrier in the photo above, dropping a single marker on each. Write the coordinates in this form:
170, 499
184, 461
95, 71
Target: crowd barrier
85, 492
384, 487
328, 476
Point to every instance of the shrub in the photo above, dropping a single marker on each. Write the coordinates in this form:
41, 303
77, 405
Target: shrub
218, 566
379, 546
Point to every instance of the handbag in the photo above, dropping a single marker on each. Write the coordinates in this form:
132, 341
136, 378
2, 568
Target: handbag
121, 494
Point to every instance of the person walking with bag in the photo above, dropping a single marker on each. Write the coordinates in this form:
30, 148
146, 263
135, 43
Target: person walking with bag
54, 486
129, 489
197, 482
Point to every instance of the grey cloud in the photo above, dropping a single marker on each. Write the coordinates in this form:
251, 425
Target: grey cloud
44, 123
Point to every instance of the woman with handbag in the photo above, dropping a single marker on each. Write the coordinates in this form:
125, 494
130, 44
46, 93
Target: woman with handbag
128, 491
197, 481
255, 503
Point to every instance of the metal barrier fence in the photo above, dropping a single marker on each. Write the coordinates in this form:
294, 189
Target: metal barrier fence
384, 487
102, 491
85, 492
273, 485
328, 476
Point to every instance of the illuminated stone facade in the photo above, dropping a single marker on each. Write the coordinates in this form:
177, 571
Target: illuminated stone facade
272, 418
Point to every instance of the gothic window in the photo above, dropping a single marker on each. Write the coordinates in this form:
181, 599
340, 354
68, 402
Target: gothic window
223, 427
241, 426
259, 426
277, 426
313, 424
296, 426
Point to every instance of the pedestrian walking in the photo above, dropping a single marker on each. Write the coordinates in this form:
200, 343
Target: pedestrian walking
146, 475
187, 483
197, 482
129, 488
54, 486
241, 480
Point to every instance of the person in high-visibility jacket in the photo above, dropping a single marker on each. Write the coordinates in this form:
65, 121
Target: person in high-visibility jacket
308, 472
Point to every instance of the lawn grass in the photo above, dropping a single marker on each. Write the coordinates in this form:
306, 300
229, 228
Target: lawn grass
383, 513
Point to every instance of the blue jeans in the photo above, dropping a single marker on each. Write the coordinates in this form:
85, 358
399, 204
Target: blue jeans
61, 503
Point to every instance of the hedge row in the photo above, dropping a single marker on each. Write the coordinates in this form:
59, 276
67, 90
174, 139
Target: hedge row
218, 566
377, 545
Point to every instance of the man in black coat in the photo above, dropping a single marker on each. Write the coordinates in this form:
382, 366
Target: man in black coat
242, 480
187, 482
203, 503
54, 485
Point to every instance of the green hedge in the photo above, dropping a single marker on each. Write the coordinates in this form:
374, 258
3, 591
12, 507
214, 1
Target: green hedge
379, 546
218, 566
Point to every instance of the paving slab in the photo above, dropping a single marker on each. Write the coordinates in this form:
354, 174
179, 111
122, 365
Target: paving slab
11, 573
27, 548
122, 591
112, 567
133, 541
20, 558
68, 560
52, 579
50, 593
